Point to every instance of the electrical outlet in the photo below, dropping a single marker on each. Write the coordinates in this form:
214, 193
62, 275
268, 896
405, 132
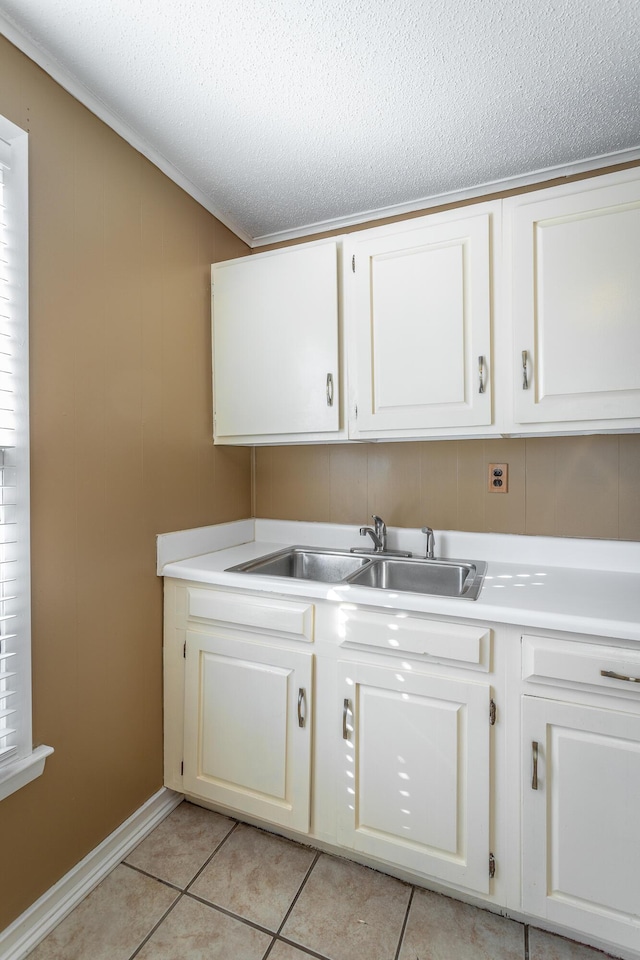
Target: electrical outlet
498, 478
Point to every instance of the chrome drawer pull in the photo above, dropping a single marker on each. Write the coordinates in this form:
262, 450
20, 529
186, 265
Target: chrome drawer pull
346, 706
525, 372
618, 676
481, 381
534, 759
301, 700
329, 389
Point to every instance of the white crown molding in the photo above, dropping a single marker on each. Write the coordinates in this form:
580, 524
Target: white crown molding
23, 935
455, 196
102, 111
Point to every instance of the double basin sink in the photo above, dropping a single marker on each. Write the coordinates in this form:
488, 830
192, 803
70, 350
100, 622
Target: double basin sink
443, 578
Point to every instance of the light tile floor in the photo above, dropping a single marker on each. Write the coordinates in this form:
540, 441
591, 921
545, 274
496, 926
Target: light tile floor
204, 887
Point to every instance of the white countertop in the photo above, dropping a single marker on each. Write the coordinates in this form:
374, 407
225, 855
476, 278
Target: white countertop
580, 586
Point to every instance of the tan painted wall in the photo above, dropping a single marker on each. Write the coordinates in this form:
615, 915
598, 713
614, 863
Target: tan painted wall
558, 486
121, 451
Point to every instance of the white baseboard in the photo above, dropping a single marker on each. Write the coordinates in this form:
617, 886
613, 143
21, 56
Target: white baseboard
25, 933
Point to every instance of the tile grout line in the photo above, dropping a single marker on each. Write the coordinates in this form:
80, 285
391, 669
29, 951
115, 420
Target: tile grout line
155, 927
228, 913
404, 925
269, 949
526, 942
182, 892
300, 889
256, 926
186, 892
277, 938
307, 951
209, 859
152, 876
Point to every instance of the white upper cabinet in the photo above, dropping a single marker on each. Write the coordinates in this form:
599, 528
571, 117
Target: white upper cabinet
276, 370
573, 261
420, 316
519, 316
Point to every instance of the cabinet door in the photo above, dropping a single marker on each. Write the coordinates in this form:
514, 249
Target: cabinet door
275, 345
581, 831
247, 727
575, 302
421, 312
414, 772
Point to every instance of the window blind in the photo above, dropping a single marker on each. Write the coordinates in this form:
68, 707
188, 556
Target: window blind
20, 761
12, 659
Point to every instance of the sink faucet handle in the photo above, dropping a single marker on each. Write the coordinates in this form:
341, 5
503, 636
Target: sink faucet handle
378, 522
430, 543
380, 529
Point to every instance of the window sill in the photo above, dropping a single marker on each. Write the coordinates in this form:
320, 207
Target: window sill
21, 772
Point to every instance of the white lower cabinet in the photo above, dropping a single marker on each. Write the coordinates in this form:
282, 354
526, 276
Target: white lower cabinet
414, 771
581, 830
422, 745
581, 786
247, 727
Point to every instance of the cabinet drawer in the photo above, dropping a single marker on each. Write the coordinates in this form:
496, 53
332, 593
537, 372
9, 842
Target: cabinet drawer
470, 645
259, 613
613, 669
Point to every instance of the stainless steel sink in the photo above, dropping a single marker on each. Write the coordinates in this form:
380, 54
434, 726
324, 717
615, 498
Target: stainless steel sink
305, 563
441, 578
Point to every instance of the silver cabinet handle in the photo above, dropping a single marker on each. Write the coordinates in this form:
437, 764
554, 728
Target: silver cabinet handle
301, 704
534, 764
619, 676
329, 389
481, 381
346, 707
525, 370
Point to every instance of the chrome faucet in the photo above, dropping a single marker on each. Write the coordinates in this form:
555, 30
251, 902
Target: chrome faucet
378, 534
431, 543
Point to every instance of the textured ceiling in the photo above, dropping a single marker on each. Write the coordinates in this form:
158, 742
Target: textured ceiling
281, 114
